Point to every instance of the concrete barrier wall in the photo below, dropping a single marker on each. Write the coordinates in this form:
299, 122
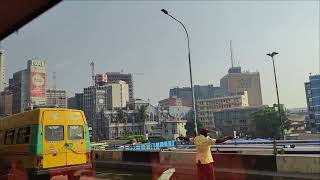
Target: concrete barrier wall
222, 160
309, 164
298, 163
108, 155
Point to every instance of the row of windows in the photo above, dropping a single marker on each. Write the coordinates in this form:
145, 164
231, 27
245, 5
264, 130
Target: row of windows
52, 133
23, 136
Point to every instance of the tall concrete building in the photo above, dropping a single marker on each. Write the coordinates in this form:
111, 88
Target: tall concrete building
2, 70
117, 95
97, 99
29, 86
237, 81
57, 98
200, 92
313, 101
113, 77
76, 102
6, 102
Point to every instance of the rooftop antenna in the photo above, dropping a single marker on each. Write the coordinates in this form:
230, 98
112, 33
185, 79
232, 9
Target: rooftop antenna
92, 72
231, 54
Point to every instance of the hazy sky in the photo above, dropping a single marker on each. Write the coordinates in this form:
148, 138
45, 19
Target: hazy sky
136, 37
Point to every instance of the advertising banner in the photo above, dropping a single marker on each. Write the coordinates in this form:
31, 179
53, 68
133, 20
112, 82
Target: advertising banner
38, 85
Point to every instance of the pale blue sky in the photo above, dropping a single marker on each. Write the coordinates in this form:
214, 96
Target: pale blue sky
137, 37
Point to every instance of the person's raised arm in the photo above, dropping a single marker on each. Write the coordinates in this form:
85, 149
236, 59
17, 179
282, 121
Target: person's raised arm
222, 140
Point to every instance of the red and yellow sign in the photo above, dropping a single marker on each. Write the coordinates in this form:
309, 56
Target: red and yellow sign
38, 84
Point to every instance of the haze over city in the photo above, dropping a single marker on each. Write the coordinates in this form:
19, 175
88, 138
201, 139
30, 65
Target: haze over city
136, 37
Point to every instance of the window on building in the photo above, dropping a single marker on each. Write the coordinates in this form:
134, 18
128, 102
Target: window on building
9, 136
23, 135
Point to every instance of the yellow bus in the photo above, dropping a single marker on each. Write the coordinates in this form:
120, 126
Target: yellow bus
45, 142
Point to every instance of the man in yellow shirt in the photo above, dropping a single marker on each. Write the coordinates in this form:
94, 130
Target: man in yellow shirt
204, 158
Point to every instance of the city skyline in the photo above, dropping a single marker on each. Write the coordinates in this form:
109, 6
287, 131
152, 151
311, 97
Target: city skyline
128, 49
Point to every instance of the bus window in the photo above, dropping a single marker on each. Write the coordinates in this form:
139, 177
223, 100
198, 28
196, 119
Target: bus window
54, 133
9, 137
75, 132
23, 135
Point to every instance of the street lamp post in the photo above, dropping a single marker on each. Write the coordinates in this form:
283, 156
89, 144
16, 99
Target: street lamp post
190, 70
275, 79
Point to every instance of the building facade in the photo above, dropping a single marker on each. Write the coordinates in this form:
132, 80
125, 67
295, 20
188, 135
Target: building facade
117, 95
97, 99
200, 92
76, 102
207, 107
29, 86
237, 81
237, 119
174, 101
171, 129
2, 70
94, 101
57, 98
109, 127
6, 102
312, 89
113, 77
19, 89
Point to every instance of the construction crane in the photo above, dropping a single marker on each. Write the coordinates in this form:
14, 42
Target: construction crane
92, 72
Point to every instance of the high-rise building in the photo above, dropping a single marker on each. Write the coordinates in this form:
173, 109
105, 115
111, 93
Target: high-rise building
313, 101
200, 92
97, 99
57, 98
117, 95
6, 102
237, 81
76, 102
2, 70
113, 77
19, 89
29, 86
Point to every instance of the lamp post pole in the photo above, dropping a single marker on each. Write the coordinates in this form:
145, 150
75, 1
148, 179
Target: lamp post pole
190, 71
276, 83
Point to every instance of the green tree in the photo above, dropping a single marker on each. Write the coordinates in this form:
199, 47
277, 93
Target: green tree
143, 116
190, 127
122, 117
268, 123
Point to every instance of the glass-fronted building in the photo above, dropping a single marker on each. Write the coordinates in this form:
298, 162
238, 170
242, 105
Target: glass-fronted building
313, 101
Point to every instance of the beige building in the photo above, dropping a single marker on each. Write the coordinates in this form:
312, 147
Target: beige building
171, 129
57, 98
207, 107
236, 81
117, 95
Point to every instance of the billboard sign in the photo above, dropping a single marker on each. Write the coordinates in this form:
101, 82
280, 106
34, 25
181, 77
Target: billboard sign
38, 85
101, 78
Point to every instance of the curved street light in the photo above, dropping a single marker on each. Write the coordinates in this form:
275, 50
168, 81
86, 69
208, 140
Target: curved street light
190, 71
275, 79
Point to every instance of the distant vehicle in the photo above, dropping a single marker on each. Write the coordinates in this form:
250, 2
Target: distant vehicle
45, 142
